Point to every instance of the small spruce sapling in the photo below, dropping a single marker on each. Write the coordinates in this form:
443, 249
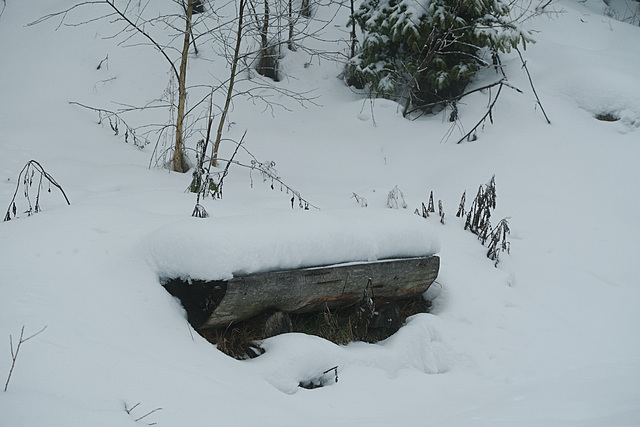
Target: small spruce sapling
425, 54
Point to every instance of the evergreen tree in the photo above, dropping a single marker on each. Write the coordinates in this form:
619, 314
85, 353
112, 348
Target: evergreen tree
426, 51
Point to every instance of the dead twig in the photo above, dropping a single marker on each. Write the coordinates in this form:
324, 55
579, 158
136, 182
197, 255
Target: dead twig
335, 371
526, 69
14, 352
130, 410
489, 114
115, 118
459, 97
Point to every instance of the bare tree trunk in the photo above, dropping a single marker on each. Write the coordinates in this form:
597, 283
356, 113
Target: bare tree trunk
264, 63
306, 8
290, 42
265, 25
179, 164
436, 46
352, 36
232, 78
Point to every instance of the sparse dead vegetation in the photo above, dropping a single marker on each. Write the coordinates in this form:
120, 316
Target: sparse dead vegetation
370, 320
16, 350
32, 174
137, 417
478, 219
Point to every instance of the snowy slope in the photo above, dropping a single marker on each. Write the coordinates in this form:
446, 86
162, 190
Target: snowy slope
547, 338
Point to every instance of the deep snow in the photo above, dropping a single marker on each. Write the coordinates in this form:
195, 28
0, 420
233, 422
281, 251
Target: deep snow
547, 338
285, 240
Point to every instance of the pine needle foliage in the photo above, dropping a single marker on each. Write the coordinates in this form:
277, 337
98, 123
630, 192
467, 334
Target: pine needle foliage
426, 51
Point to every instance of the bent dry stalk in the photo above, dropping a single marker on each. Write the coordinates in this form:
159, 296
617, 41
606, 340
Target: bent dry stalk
26, 177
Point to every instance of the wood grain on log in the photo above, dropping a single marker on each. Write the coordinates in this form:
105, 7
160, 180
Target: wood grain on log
311, 289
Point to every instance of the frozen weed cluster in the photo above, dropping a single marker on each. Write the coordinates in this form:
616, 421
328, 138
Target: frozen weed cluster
32, 174
478, 219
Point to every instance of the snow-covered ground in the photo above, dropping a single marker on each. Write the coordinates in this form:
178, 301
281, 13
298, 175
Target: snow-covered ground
550, 337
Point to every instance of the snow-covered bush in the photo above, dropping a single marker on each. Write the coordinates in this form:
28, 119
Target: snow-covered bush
426, 51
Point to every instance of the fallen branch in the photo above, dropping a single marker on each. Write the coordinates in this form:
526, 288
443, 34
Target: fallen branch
113, 124
459, 97
489, 114
130, 410
524, 65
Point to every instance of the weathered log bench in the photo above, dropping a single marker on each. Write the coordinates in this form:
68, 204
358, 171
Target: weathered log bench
211, 304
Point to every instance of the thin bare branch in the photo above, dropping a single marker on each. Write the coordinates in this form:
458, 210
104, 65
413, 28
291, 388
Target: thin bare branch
234, 66
487, 114
143, 33
14, 352
524, 65
119, 13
